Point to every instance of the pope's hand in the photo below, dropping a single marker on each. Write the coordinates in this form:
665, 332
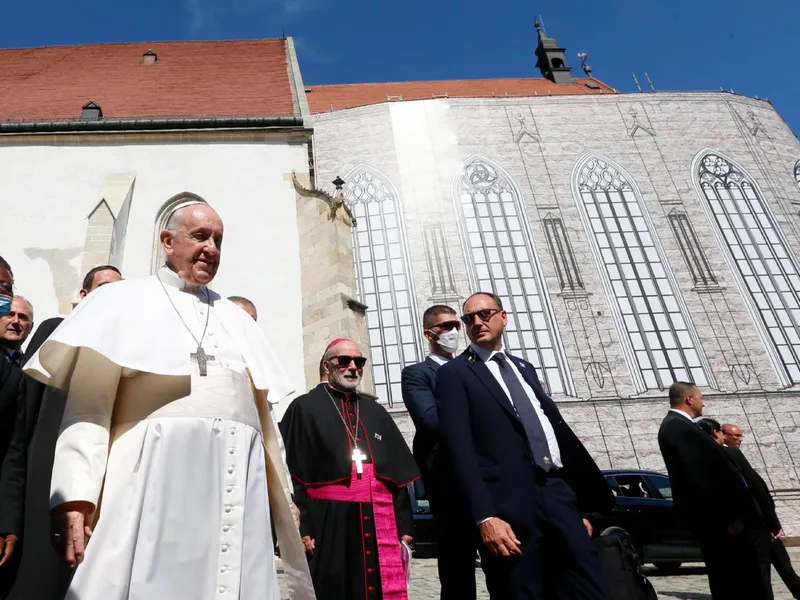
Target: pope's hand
7, 544
71, 530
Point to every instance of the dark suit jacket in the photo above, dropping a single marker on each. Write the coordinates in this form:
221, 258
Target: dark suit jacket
490, 452
13, 447
419, 384
757, 487
708, 492
36, 389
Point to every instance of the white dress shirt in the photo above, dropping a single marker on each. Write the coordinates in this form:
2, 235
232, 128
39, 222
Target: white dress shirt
486, 356
680, 412
440, 360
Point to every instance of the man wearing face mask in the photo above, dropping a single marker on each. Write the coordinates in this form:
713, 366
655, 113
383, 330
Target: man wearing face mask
456, 533
12, 446
351, 467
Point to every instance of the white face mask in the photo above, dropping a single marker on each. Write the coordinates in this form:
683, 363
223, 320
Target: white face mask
448, 341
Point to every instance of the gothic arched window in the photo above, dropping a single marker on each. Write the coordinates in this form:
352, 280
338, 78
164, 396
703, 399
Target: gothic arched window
502, 259
655, 330
384, 278
169, 207
797, 173
766, 270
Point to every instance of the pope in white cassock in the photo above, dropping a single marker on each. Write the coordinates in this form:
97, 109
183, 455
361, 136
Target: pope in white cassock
168, 461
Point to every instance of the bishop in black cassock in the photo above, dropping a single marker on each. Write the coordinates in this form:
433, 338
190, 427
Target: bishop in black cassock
330, 435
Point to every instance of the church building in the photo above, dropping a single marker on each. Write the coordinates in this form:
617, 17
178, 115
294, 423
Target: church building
635, 239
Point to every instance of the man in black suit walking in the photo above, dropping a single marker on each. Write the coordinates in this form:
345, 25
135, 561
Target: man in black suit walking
763, 498
457, 536
13, 443
529, 483
713, 501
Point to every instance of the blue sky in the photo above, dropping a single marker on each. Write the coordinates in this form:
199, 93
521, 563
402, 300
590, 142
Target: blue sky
683, 44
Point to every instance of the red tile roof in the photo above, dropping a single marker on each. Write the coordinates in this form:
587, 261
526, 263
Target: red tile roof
190, 79
323, 98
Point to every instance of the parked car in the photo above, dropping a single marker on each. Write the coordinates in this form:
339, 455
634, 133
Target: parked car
424, 533
644, 508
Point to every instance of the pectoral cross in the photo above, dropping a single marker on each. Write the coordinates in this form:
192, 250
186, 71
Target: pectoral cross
359, 458
202, 360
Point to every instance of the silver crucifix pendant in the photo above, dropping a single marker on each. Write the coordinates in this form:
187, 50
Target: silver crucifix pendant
202, 360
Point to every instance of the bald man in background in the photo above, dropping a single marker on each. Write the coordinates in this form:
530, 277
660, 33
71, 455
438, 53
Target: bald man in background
245, 305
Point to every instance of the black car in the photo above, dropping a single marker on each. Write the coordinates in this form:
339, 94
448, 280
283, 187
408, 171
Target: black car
424, 534
644, 508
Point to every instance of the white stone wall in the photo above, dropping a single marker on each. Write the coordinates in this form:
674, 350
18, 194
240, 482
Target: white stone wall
420, 146
47, 193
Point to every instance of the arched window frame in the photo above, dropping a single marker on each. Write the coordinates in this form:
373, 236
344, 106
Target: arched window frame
161, 222
626, 341
506, 183
381, 349
779, 363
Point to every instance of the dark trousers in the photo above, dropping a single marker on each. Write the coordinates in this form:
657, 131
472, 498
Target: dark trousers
738, 566
456, 542
783, 565
558, 561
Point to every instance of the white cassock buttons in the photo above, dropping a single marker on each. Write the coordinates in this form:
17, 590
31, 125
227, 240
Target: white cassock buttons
231, 470
221, 589
232, 451
228, 509
230, 489
225, 528
225, 548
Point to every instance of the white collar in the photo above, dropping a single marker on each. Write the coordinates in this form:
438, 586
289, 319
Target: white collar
484, 354
439, 360
172, 279
680, 412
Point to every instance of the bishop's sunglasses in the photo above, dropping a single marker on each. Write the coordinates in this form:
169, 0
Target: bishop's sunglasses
344, 361
484, 315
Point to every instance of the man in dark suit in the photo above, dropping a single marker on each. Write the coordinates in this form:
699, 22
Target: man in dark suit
713, 501
760, 492
456, 535
12, 451
43, 572
529, 483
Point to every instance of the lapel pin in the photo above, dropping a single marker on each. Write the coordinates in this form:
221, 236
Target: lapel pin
378, 436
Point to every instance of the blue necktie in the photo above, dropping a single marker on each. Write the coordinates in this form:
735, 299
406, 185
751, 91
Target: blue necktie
537, 440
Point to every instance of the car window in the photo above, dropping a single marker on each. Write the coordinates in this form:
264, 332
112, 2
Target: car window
662, 485
612, 483
632, 486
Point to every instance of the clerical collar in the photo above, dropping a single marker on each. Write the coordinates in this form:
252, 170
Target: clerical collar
172, 279
338, 393
484, 354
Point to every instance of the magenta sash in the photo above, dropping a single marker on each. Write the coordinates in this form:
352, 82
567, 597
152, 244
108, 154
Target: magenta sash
368, 488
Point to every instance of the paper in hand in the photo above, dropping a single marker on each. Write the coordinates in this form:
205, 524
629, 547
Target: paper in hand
405, 557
